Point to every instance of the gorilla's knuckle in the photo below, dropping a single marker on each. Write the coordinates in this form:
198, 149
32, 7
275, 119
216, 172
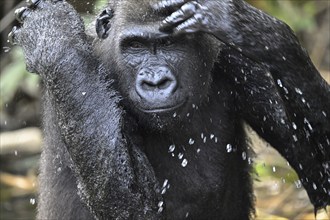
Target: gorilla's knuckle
12, 36
21, 14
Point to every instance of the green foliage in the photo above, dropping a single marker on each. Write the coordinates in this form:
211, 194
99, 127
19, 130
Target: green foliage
279, 171
15, 76
299, 15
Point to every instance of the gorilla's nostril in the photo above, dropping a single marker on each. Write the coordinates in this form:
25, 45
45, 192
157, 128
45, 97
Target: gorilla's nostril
162, 84
148, 86
165, 83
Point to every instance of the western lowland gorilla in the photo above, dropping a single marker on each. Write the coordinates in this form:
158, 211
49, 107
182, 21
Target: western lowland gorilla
144, 119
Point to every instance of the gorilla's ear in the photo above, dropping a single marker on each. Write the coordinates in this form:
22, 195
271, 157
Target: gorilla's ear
103, 23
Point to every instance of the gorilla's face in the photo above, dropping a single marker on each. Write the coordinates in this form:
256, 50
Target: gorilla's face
161, 77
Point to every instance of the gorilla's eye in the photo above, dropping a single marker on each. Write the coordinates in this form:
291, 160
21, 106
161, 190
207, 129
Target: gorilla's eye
166, 42
135, 44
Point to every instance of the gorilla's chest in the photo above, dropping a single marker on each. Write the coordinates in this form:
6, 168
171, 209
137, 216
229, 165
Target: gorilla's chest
192, 180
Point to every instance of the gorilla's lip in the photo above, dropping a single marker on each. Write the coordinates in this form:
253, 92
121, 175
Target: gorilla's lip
162, 109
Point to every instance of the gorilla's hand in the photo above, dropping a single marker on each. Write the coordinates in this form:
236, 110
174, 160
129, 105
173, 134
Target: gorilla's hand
188, 16
47, 29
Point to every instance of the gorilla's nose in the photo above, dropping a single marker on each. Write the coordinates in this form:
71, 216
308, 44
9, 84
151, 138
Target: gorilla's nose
155, 85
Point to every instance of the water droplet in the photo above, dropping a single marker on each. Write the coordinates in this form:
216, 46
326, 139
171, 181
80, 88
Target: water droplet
187, 214
267, 48
274, 169
174, 115
314, 186
211, 136
295, 138
308, 124
15, 153
325, 114
32, 201
191, 141
298, 184
184, 163
298, 91
294, 126
180, 156
163, 191
83, 93
286, 90
198, 150
171, 148
165, 183
6, 49
244, 155
160, 206
59, 169
229, 148
204, 140
284, 58
279, 83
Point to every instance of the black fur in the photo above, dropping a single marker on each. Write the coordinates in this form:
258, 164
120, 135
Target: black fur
146, 122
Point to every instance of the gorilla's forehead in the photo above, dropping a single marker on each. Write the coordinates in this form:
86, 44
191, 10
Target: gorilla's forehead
146, 30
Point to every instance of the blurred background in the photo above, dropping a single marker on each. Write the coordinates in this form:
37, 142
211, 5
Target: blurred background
279, 194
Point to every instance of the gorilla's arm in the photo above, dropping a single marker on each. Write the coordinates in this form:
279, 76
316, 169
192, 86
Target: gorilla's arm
114, 178
280, 92
262, 105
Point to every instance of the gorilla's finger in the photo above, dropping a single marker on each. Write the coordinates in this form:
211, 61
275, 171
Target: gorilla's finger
42, 3
12, 36
189, 26
33, 3
185, 12
22, 13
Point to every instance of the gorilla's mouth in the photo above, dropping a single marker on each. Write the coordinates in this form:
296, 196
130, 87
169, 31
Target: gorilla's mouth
162, 109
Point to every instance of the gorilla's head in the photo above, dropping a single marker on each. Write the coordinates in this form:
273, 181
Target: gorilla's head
161, 76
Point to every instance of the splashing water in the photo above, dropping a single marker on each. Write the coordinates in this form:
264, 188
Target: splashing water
229, 148
32, 201
171, 148
191, 141
184, 163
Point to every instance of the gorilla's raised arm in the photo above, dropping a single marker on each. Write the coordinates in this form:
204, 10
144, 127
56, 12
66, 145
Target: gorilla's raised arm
280, 92
114, 177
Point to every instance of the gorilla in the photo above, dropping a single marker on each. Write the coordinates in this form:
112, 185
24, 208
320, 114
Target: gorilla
144, 119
